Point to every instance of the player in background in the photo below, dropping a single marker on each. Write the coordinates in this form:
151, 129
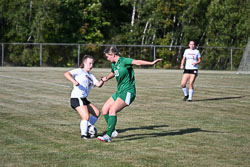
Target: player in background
121, 69
83, 81
193, 58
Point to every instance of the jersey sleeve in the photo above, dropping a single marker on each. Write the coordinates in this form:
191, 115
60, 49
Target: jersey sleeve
198, 54
185, 53
75, 72
128, 61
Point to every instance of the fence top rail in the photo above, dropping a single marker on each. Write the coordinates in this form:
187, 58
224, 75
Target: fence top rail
118, 45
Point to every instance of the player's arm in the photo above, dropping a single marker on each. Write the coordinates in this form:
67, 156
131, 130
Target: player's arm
100, 83
182, 62
197, 62
110, 76
143, 62
69, 77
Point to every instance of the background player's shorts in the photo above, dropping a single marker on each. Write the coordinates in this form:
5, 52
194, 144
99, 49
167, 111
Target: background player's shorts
76, 102
195, 72
127, 97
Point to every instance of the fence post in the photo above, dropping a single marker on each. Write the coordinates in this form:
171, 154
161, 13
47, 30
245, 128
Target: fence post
231, 59
78, 55
154, 55
2, 54
41, 54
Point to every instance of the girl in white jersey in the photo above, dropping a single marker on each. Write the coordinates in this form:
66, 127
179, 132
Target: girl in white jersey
193, 58
83, 81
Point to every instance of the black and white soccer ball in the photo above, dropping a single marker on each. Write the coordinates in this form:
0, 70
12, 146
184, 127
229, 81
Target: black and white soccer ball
92, 131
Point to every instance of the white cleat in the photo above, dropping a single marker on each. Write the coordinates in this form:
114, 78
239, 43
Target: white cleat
104, 138
84, 137
114, 134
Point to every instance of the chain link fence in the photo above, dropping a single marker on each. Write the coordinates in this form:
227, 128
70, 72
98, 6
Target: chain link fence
69, 55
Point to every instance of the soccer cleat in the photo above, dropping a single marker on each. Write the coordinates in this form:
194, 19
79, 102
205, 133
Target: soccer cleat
189, 100
185, 98
84, 137
104, 138
114, 133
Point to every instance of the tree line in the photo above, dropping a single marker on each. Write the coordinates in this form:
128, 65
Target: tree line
221, 23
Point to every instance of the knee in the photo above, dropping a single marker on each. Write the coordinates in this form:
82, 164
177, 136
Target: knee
85, 117
104, 110
112, 111
183, 85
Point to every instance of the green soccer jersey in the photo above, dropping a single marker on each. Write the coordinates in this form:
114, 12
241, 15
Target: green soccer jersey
124, 74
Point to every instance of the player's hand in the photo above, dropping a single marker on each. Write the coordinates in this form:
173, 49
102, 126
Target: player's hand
76, 84
156, 61
104, 79
182, 67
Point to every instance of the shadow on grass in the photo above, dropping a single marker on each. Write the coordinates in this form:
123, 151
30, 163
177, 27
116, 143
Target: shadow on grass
152, 127
161, 134
219, 98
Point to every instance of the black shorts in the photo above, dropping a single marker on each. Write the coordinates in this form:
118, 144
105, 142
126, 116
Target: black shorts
195, 72
76, 102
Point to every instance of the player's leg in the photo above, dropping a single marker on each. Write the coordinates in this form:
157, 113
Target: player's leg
106, 107
117, 106
105, 111
123, 100
95, 113
120, 101
191, 86
84, 114
184, 80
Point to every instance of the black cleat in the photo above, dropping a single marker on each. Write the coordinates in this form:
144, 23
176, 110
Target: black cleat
185, 98
189, 100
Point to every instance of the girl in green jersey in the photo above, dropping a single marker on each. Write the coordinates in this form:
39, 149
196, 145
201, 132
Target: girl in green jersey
122, 70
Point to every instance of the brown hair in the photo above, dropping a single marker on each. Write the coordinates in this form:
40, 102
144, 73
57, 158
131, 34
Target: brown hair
85, 57
112, 49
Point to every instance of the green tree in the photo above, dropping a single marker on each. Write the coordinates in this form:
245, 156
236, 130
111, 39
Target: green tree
228, 26
57, 21
194, 22
115, 15
223, 23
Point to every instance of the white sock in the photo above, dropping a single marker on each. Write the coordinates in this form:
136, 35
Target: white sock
92, 119
84, 127
191, 92
185, 91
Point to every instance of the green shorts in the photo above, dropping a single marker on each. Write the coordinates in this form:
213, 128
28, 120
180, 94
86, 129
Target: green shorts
126, 96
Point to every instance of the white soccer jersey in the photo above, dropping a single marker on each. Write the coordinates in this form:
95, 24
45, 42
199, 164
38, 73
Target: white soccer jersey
86, 82
191, 57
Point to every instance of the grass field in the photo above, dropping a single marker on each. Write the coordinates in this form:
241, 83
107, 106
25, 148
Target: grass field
39, 128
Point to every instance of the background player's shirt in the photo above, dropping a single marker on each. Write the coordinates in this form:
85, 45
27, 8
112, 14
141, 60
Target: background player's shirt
86, 82
124, 74
191, 57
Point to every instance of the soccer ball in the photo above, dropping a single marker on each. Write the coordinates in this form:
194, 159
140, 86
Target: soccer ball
92, 131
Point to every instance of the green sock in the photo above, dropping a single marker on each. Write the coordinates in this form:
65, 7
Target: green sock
106, 117
111, 124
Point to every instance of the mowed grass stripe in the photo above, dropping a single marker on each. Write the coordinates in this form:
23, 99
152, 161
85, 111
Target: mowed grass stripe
38, 127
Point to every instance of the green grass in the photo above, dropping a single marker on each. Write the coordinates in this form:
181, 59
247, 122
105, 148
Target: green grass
39, 128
